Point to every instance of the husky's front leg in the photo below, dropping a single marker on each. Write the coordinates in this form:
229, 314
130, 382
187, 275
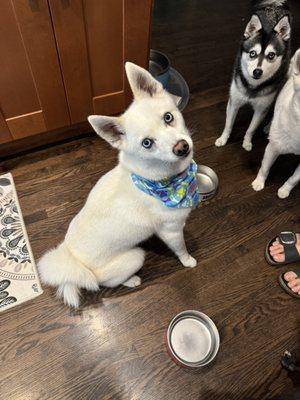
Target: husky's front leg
233, 107
270, 156
258, 117
285, 189
172, 234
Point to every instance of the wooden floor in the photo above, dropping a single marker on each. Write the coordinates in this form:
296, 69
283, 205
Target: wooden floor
113, 347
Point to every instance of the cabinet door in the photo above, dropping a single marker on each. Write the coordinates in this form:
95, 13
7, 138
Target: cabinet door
32, 97
94, 39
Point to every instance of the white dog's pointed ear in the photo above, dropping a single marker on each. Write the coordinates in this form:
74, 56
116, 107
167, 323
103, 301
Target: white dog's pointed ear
141, 81
109, 128
253, 26
283, 28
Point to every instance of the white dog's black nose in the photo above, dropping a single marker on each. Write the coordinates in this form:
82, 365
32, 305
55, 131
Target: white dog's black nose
181, 148
257, 73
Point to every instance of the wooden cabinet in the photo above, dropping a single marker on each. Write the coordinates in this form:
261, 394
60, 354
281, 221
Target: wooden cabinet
64, 59
32, 96
94, 39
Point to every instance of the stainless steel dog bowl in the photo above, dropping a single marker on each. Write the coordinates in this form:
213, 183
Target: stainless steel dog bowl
192, 339
172, 80
208, 182
159, 67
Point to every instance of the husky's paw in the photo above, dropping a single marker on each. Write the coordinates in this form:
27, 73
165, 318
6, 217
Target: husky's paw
258, 184
133, 281
188, 261
221, 141
283, 192
247, 145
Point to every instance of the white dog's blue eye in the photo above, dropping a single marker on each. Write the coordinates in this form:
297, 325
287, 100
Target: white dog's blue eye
147, 143
253, 54
168, 118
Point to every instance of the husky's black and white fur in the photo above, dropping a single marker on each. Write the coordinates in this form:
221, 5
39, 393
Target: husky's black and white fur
261, 65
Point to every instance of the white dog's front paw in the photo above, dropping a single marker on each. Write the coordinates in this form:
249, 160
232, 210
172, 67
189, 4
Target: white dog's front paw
133, 281
283, 192
221, 141
247, 145
188, 261
258, 184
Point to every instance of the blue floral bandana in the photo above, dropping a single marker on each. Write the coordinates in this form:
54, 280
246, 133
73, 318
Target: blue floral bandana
179, 191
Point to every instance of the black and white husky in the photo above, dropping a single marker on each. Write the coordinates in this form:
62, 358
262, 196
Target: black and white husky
261, 65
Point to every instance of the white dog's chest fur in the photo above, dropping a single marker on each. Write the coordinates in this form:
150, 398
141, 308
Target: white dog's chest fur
285, 130
116, 217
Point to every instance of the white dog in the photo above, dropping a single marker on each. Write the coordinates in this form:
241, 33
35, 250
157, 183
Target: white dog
284, 134
100, 244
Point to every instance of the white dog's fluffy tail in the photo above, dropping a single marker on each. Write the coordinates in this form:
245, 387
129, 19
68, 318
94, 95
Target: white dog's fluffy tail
59, 268
70, 293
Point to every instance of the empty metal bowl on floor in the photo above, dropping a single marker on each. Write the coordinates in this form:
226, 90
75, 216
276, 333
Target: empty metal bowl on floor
208, 182
193, 339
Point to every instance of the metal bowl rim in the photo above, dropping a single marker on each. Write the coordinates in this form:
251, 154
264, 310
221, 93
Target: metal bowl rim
163, 55
208, 322
209, 172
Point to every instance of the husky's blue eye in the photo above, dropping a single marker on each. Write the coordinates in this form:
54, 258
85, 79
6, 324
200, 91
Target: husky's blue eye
168, 118
147, 143
253, 54
271, 55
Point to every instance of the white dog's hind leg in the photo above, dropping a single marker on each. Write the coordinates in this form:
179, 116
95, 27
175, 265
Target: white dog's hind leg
231, 113
257, 119
172, 235
121, 269
285, 189
270, 156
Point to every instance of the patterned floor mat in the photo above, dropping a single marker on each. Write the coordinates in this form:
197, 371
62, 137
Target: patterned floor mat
19, 281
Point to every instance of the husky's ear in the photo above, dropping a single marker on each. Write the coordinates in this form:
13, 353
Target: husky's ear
141, 81
296, 70
283, 28
253, 26
296, 63
109, 128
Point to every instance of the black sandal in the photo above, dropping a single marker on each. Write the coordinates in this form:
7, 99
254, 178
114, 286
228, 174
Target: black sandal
285, 287
288, 241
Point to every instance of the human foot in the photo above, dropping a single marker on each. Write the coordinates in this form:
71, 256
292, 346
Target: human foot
276, 250
292, 280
